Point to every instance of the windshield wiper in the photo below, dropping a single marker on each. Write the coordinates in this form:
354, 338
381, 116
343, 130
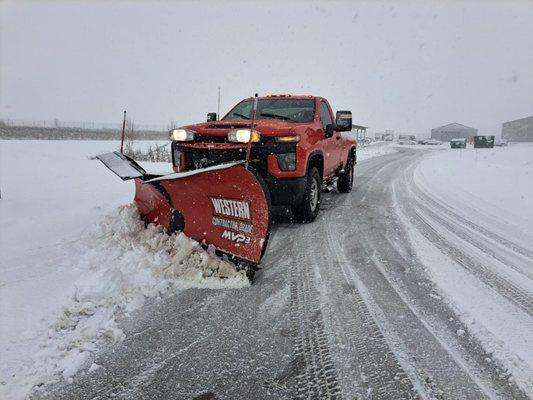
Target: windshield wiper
241, 115
269, 115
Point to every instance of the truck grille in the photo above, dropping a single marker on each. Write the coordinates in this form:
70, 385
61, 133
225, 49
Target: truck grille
212, 139
205, 158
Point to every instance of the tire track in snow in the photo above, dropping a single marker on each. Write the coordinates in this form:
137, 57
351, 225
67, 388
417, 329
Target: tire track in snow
420, 329
432, 226
474, 349
381, 372
317, 378
501, 285
473, 238
449, 211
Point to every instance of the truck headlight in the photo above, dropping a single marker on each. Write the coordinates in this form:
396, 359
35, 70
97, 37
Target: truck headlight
244, 136
182, 135
287, 161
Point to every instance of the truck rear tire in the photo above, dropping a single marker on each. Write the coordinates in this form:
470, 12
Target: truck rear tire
308, 209
345, 181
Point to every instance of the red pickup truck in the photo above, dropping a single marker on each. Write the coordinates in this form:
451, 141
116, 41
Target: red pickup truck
298, 147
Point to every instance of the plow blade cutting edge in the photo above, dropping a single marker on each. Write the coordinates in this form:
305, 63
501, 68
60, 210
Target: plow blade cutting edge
226, 206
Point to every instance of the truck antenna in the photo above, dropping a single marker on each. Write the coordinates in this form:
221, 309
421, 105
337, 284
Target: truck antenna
249, 148
218, 109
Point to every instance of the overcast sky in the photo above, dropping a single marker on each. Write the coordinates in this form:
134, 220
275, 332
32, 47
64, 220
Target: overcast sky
408, 66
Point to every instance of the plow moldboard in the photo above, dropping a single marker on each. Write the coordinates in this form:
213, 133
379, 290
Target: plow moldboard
228, 208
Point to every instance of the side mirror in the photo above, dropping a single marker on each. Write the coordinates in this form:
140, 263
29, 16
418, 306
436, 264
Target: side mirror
330, 128
211, 117
343, 121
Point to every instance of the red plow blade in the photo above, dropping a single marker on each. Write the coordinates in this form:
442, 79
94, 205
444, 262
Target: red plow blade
226, 206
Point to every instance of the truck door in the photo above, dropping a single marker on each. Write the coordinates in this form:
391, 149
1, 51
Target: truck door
332, 148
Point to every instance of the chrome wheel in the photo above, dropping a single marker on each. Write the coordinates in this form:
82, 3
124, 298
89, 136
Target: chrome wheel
313, 195
308, 208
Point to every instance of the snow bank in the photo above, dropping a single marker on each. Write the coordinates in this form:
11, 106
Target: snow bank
122, 264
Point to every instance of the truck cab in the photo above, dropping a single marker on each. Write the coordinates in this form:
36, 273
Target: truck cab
298, 147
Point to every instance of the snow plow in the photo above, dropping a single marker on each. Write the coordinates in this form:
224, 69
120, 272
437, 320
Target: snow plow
226, 206
277, 150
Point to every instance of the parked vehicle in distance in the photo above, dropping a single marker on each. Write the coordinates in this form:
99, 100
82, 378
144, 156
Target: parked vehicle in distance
432, 142
406, 142
501, 142
365, 141
407, 137
388, 137
483, 142
459, 143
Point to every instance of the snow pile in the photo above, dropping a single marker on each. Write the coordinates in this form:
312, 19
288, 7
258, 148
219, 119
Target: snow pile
123, 264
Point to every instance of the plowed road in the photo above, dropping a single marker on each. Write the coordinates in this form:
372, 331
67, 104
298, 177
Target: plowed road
343, 309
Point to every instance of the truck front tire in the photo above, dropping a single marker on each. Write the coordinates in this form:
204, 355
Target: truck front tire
345, 181
308, 209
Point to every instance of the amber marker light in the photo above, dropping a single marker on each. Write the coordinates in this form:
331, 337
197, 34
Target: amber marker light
288, 139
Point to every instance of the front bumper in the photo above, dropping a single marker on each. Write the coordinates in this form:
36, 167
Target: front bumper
285, 191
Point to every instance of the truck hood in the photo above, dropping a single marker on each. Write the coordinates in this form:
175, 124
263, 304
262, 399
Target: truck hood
267, 127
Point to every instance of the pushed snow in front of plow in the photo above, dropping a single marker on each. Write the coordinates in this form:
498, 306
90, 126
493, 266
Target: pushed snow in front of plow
139, 258
123, 264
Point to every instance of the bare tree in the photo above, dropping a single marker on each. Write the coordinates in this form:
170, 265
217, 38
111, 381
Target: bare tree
173, 124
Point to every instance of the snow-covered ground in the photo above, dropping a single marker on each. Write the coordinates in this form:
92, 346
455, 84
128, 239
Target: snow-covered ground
73, 259
479, 201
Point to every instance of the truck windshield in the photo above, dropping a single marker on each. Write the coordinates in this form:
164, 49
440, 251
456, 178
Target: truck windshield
291, 110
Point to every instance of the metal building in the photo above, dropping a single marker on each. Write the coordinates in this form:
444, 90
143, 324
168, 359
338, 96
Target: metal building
519, 130
453, 131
